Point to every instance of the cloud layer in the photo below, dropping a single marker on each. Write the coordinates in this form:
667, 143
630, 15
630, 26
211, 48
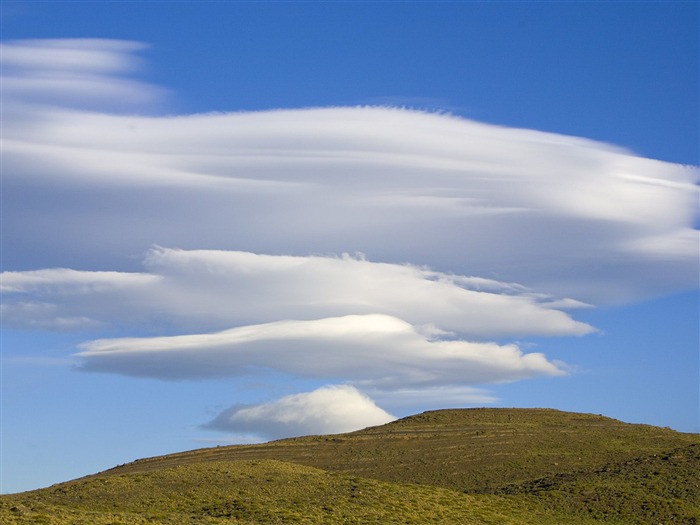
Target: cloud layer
399, 331
74, 72
214, 289
382, 325
559, 214
376, 350
475, 234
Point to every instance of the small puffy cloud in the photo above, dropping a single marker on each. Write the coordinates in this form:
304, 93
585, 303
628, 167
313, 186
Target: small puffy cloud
378, 350
328, 410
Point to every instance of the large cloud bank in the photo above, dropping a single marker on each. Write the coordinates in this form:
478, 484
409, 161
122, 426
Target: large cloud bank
559, 214
252, 207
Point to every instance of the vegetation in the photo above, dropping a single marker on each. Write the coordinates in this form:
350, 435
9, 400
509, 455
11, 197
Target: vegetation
516, 466
265, 491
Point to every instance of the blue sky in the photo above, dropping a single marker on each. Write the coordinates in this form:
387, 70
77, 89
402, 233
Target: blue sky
235, 221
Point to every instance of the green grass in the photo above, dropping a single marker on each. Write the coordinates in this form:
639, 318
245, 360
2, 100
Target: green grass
453, 466
265, 491
471, 450
657, 488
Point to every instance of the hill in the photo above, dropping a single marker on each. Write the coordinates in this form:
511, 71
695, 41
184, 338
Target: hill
448, 466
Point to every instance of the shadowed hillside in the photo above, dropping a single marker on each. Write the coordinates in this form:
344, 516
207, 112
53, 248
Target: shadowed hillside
447, 466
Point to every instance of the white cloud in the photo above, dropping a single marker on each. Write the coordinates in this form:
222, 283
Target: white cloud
558, 214
563, 215
66, 299
336, 409
76, 72
378, 350
415, 399
70, 55
385, 326
328, 410
57, 281
213, 290
43, 316
473, 232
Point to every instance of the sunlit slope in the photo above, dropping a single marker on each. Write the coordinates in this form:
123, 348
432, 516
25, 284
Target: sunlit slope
470, 450
266, 491
448, 466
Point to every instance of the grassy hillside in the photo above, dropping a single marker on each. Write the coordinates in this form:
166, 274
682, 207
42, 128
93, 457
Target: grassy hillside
265, 491
469, 450
656, 488
449, 466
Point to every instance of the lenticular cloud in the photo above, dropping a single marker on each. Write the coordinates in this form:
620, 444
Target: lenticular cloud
377, 350
215, 289
558, 214
76, 72
563, 215
474, 233
381, 324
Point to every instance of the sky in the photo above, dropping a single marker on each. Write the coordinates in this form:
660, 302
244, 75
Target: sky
230, 222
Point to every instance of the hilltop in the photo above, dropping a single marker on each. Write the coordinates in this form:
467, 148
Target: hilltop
446, 466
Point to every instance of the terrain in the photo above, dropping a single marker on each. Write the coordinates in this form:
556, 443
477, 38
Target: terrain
519, 466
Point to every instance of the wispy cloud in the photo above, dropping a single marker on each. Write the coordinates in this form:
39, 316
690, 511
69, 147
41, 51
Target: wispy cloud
80, 73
